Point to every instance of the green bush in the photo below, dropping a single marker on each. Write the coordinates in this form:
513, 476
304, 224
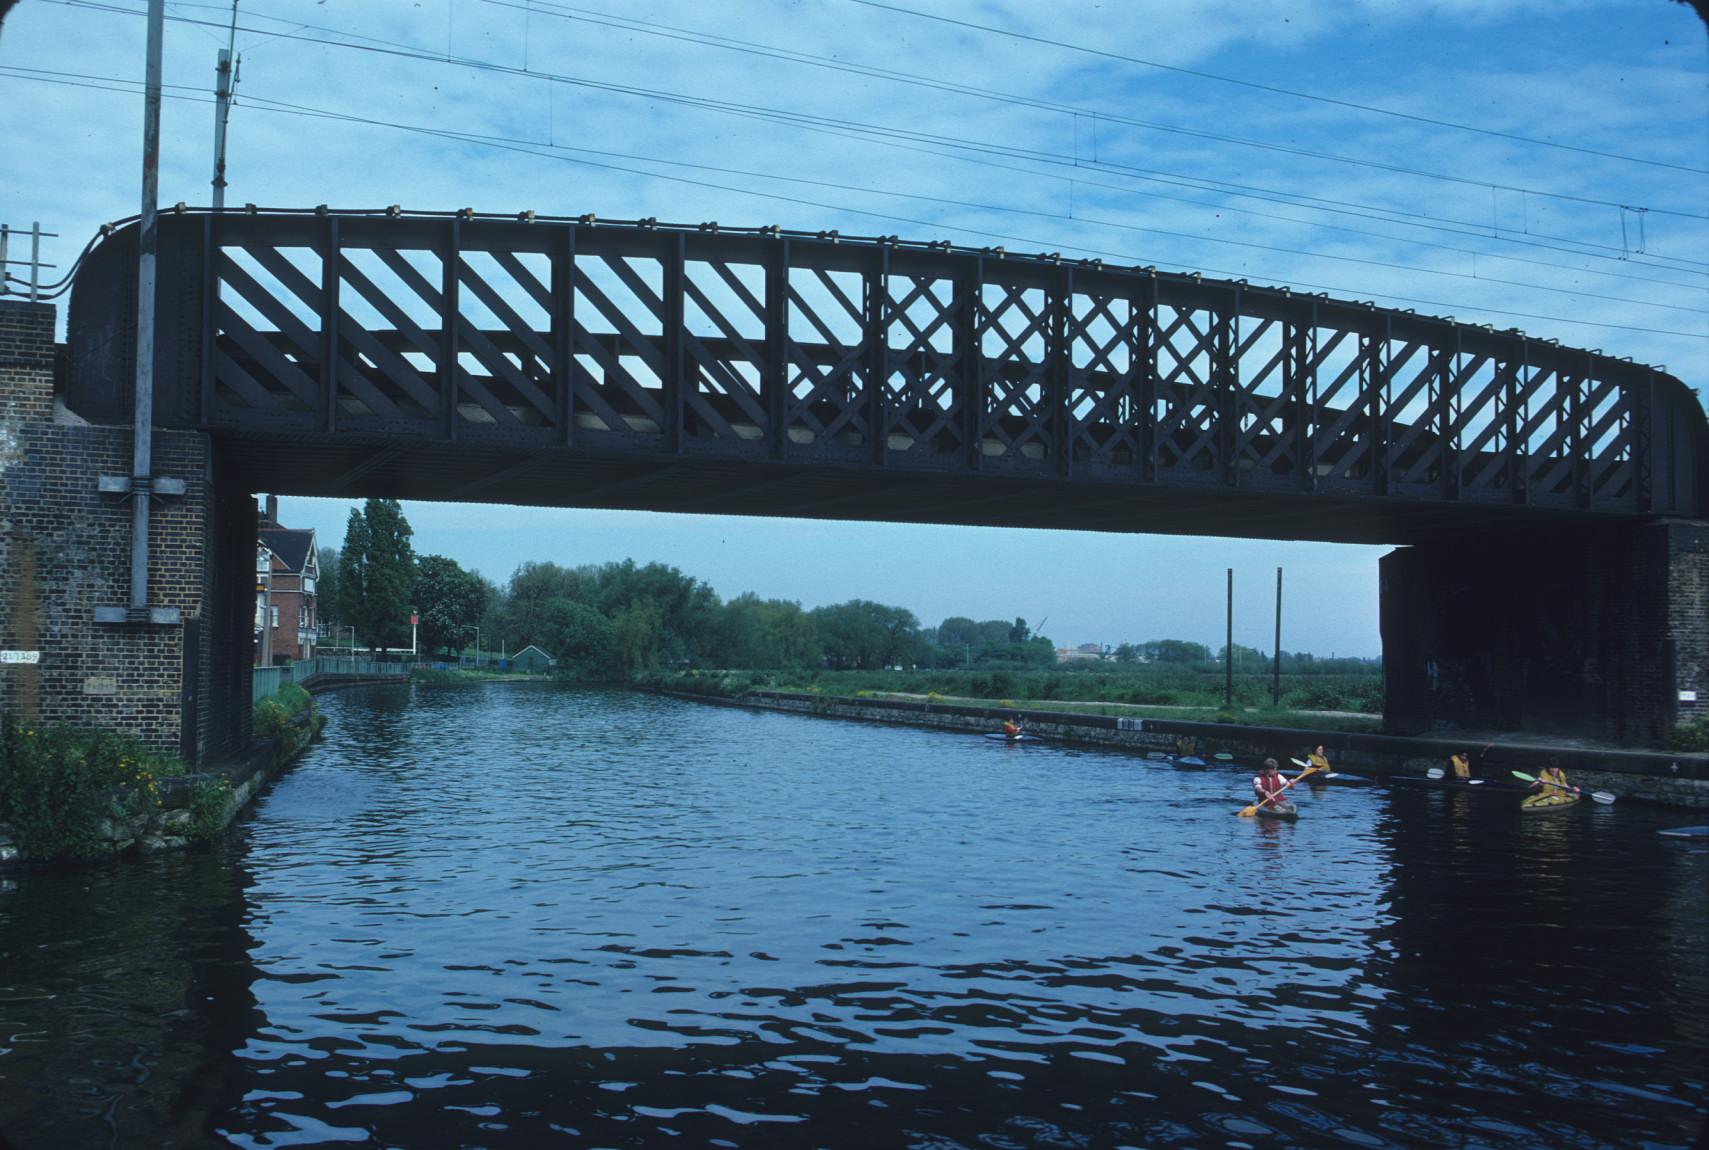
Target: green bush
59, 786
1691, 736
208, 802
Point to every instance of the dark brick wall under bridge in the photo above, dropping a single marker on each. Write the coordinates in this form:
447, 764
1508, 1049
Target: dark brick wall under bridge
65, 550
1598, 633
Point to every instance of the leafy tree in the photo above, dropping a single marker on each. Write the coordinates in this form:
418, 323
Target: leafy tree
1175, 651
767, 633
526, 615
680, 612
1019, 632
582, 640
867, 635
377, 573
639, 633
449, 601
349, 580
1127, 653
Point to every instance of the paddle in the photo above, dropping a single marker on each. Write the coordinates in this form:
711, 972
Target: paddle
1602, 797
1253, 809
1438, 773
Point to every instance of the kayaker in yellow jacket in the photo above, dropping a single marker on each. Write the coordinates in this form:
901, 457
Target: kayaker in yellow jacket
1318, 759
1462, 764
1548, 775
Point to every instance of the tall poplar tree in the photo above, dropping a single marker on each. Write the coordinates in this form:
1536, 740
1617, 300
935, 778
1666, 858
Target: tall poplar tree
377, 573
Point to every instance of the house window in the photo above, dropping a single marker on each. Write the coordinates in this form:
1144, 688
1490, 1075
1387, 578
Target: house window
275, 616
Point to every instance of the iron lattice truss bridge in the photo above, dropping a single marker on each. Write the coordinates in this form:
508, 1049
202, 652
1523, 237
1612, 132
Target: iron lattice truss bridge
761, 371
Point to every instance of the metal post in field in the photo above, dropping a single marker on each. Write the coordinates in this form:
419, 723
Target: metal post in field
1276, 684
1228, 649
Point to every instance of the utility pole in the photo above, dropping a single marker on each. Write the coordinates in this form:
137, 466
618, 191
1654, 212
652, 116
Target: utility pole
1276, 685
222, 109
1228, 649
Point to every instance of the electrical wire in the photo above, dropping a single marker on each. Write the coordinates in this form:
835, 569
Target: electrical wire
1279, 91
671, 32
951, 202
891, 136
531, 148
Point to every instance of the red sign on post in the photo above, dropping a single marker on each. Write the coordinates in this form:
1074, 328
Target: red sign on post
412, 620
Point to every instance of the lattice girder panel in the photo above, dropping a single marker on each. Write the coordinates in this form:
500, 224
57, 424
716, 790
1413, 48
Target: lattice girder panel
618, 342
1189, 397
922, 385
1609, 444
828, 401
1012, 332
725, 332
1478, 432
504, 352
267, 343
1107, 355
1267, 407
394, 332
1354, 399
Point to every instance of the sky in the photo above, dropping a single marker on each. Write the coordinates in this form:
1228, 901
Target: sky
1541, 164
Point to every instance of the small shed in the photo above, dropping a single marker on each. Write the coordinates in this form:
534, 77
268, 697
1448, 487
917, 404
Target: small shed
532, 660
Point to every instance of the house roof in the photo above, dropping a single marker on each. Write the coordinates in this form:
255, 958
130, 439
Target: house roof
531, 647
291, 545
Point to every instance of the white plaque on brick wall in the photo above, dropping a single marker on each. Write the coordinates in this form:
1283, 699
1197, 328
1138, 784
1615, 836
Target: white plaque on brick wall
20, 656
1688, 696
100, 685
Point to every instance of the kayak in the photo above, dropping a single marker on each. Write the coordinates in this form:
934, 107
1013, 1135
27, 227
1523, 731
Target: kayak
1190, 761
1337, 778
1687, 832
1280, 810
1538, 804
1002, 738
1488, 786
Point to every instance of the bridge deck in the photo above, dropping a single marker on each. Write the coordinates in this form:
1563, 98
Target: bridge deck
761, 372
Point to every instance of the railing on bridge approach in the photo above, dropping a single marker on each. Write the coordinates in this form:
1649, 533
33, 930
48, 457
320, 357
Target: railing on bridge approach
268, 680
543, 336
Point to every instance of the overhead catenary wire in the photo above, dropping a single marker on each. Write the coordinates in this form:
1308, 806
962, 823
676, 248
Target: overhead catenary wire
544, 151
892, 136
1277, 90
267, 104
629, 23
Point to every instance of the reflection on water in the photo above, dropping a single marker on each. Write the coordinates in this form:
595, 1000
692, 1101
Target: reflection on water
515, 915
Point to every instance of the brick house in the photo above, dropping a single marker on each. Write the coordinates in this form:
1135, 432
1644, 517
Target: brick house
287, 567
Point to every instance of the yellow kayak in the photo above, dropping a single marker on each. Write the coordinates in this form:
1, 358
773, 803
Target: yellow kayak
1551, 800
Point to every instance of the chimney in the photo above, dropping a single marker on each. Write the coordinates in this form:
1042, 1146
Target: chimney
272, 515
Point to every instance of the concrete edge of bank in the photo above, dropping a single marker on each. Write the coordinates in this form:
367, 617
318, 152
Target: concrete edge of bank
1661, 777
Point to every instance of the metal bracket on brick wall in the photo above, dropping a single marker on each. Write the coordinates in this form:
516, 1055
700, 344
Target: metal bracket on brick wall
139, 485
165, 615
128, 486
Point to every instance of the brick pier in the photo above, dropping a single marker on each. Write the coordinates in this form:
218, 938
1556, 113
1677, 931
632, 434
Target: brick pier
65, 550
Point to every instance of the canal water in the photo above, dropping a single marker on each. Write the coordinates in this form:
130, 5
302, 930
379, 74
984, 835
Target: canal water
517, 915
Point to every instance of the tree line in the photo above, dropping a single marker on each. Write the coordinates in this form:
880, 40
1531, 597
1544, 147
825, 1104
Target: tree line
612, 620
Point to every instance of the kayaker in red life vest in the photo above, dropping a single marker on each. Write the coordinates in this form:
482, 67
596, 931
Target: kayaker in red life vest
1012, 727
1268, 782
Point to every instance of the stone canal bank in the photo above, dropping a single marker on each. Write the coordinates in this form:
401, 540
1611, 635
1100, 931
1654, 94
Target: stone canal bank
1665, 778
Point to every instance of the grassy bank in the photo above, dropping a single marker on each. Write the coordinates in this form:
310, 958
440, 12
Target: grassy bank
1146, 693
